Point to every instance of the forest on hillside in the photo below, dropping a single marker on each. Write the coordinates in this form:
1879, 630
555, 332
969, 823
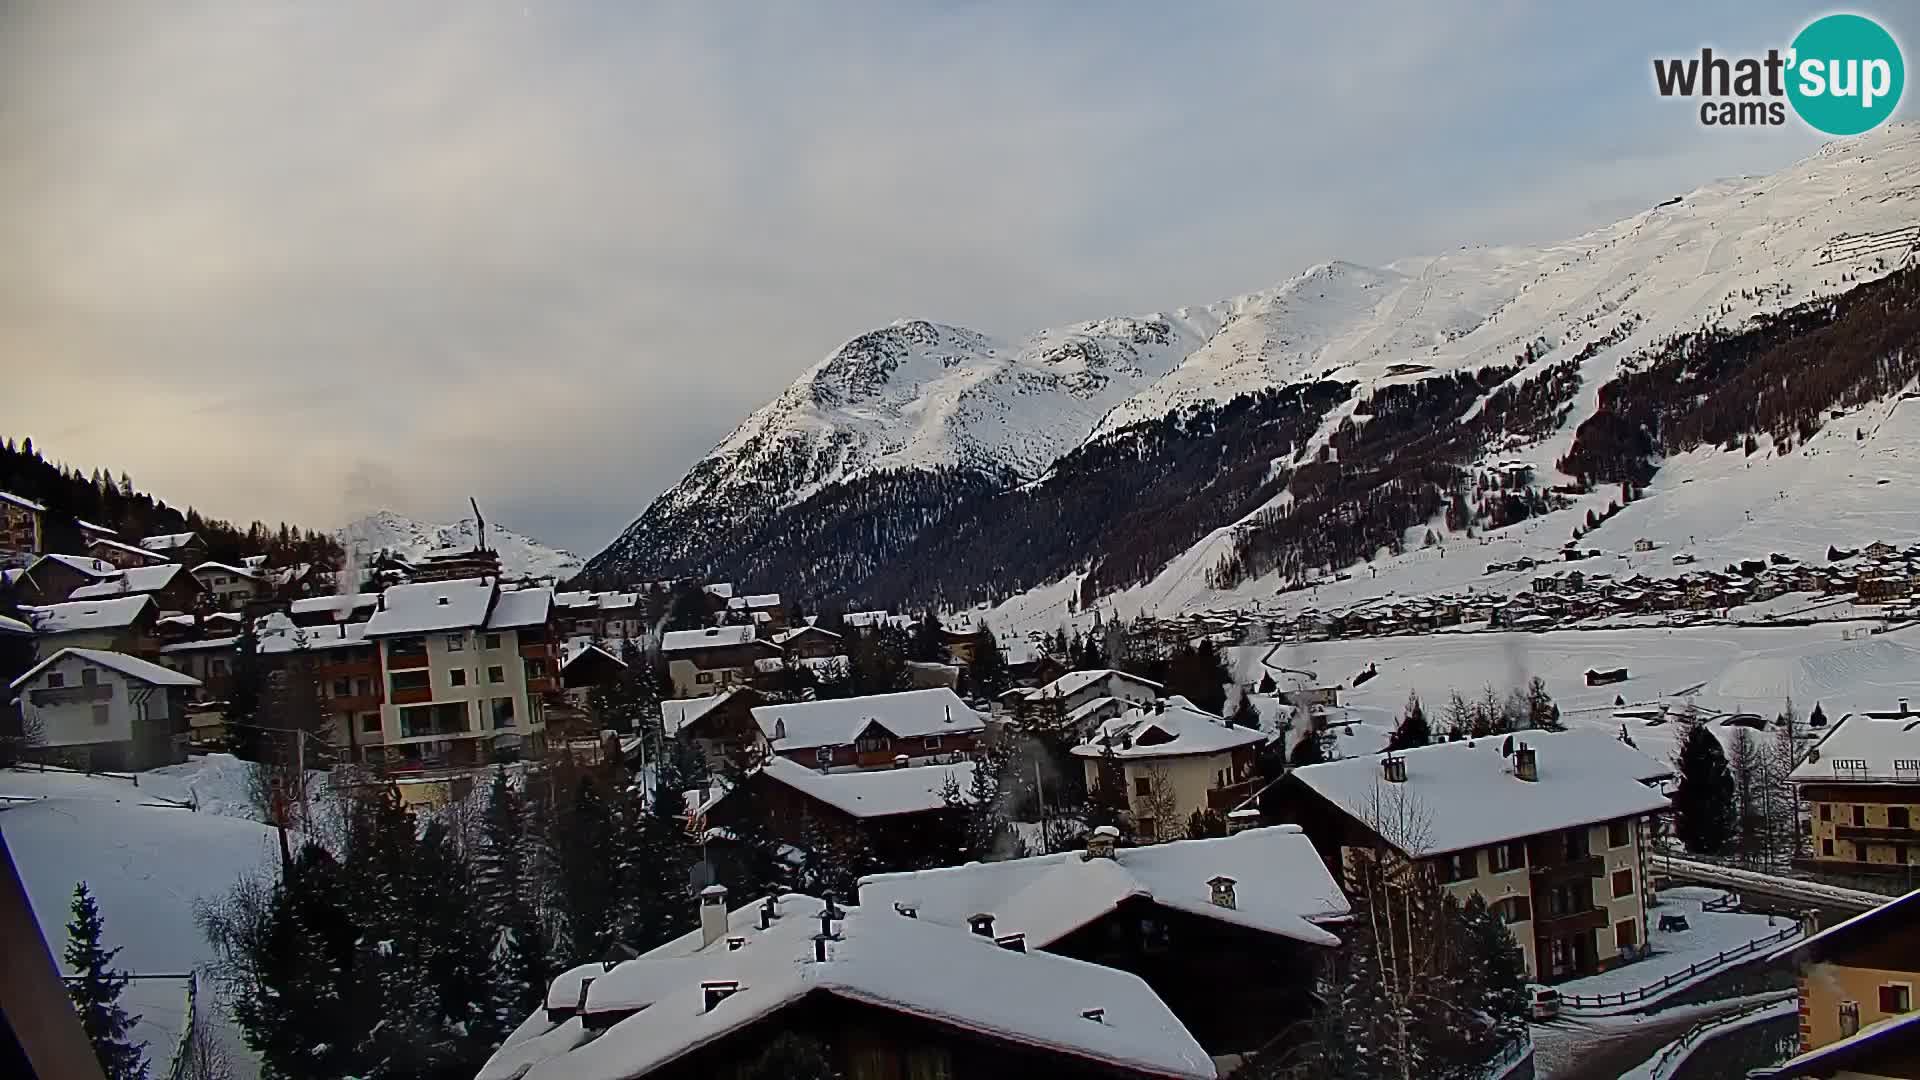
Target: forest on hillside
72, 496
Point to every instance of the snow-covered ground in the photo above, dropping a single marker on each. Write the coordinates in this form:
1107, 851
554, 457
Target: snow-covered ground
147, 859
1731, 669
1708, 934
1667, 1060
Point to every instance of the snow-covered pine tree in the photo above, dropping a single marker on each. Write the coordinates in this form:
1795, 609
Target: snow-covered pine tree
583, 835
95, 989
1414, 729
515, 951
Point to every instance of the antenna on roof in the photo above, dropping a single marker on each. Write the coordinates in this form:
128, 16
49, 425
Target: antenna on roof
479, 526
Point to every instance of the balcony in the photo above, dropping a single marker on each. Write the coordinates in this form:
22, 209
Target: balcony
434, 721
1587, 866
1877, 834
71, 695
406, 661
1572, 922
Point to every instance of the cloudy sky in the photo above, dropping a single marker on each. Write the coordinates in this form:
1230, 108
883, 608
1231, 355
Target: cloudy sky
306, 260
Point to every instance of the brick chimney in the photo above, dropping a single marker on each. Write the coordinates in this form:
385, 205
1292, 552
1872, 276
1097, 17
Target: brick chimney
713, 914
981, 924
1100, 843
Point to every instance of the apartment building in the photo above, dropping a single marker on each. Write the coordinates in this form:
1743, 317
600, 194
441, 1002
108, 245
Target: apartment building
22, 526
1552, 829
1857, 978
1861, 785
466, 666
1169, 760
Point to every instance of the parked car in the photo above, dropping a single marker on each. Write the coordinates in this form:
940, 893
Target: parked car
1543, 1002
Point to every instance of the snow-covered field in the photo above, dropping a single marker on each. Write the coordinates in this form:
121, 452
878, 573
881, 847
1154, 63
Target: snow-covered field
1731, 669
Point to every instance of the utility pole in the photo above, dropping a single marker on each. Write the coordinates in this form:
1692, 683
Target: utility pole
1040, 796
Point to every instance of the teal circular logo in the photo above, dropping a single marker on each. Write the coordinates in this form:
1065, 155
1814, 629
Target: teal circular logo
1846, 74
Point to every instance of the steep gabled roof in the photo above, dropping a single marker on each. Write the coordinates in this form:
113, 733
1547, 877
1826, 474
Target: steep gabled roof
89, 614
131, 666
22, 501
873, 793
427, 606
131, 581
1074, 681
1177, 730
1864, 748
168, 541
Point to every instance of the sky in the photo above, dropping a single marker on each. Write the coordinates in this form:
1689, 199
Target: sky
301, 261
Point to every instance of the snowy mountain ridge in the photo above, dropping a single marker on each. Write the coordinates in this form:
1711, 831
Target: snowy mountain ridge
520, 556
918, 395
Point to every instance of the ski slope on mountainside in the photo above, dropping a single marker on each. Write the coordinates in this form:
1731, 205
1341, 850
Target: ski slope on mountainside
1717, 257
520, 556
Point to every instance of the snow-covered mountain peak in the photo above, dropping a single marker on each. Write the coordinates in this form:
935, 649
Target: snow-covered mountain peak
520, 556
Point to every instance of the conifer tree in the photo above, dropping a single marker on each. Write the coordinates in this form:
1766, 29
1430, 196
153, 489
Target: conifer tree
989, 672
96, 990
1414, 729
516, 953
1704, 802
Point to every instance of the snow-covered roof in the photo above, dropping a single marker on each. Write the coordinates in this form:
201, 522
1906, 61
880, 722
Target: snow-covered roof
131, 666
1865, 748
785, 636
203, 645
136, 579
574, 652
97, 569
754, 602
909, 714
21, 501
88, 614
873, 793
13, 626
1173, 728
1461, 795
713, 637
226, 568
339, 605
103, 542
935, 973
519, 608
721, 589
677, 713
427, 606
284, 639
1895, 1035
167, 541
1281, 886
1074, 681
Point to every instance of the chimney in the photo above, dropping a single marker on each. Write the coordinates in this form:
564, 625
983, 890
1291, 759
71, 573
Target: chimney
908, 910
581, 1005
1904, 711
1222, 887
1242, 820
981, 924
1098, 1016
1394, 769
899, 761
1012, 942
1526, 763
767, 913
1100, 843
713, 914
715, 991
820, 948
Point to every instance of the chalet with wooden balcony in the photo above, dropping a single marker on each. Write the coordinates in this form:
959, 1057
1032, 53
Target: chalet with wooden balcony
810, 642
720, 726
232, 588
897, 814
1169, 760
22, 527
1861, 785
873, 731
1550, 828
468, 667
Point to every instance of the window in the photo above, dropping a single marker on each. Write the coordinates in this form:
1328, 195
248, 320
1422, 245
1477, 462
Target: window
703, 677
823, 755
456, 642
342, 687
1826, 848
370, 723
1142, 786
496, 674
365, 686
410, 680
932, 742
1859, 816
1626, 934
1504, 857
536, 669
1576, 843
1146, 827
873, 744
1619, 833
218, 665
1897, 818
1896, 998
457, 677
89, 677
1826, 811
1514, 909
55, 680
500, 712
1622, 883
102, 713
1461, 866
493, 641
